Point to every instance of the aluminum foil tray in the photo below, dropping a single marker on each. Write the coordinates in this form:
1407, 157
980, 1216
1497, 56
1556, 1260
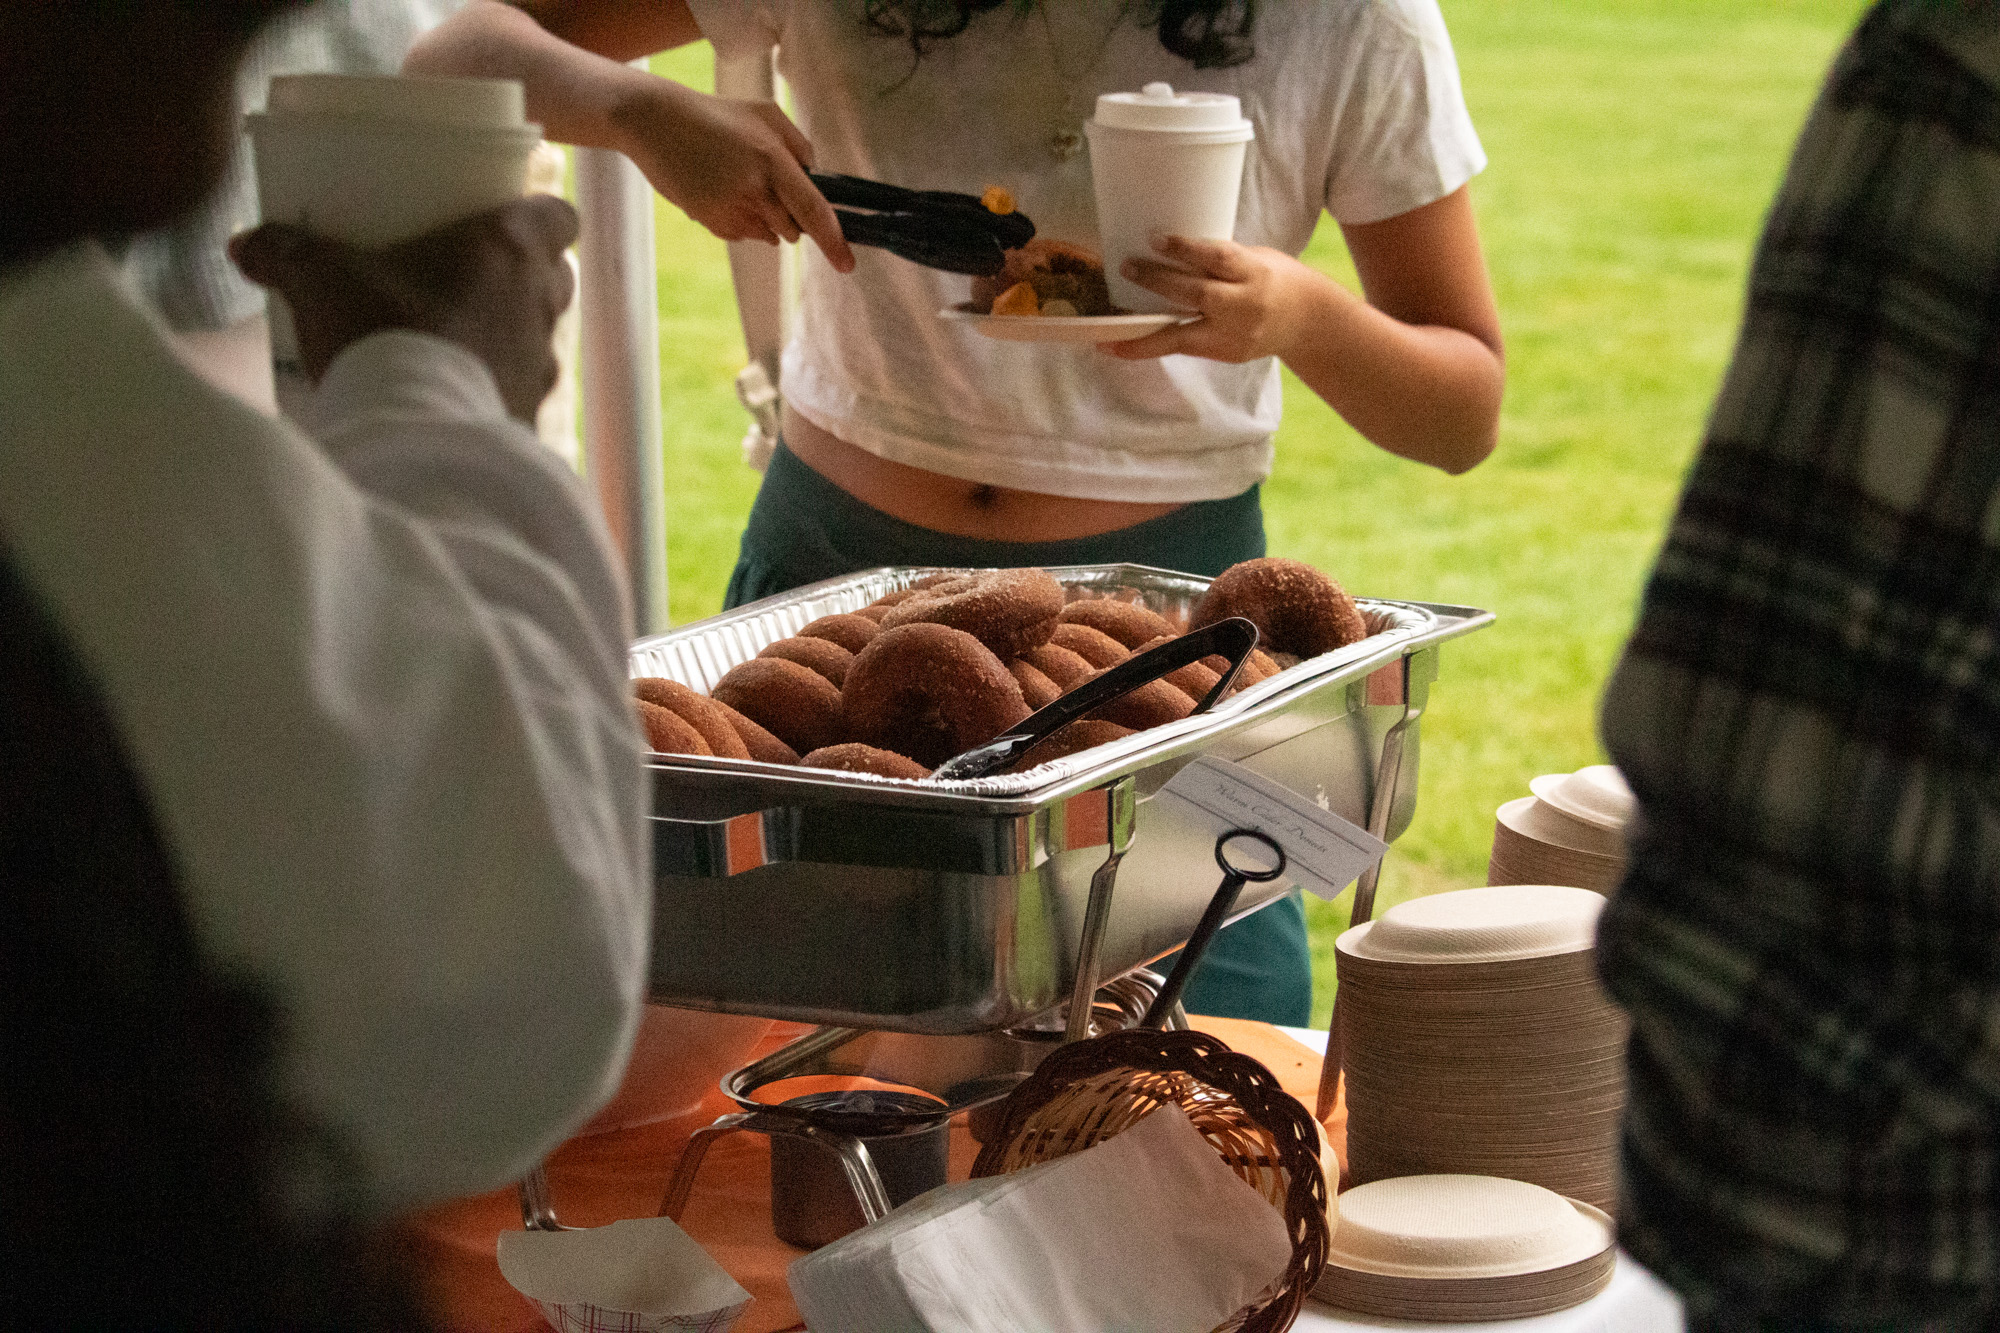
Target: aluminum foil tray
957, 907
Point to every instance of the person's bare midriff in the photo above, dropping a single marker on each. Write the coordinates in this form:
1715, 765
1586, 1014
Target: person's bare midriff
949, 504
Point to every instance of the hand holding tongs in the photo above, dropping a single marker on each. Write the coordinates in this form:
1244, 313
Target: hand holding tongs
936, 228
1232, 638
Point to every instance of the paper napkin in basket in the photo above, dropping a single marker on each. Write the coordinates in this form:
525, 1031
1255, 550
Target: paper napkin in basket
641, 1276
1146, 1231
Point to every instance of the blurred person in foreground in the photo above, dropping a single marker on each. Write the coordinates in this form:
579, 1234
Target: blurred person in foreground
343, 713
1808, 938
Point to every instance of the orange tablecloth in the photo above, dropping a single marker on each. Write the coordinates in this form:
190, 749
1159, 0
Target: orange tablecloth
605, 1177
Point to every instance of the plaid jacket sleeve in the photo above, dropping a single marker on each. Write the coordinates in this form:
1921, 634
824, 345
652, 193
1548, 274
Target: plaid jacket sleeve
1809, 711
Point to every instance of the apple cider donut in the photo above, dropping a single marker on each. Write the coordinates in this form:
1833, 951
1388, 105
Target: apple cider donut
1092, 645
1195, 679
1153, 704
794, 703
821, 655
1037, 690
762, 745
1127, 622
929, 692
853, 757
666, 733
1059, 664
703, 714
850, 631
1067, 740
1008, 610
1296, 609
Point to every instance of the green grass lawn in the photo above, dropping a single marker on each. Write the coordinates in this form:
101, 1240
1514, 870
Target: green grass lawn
1635, 145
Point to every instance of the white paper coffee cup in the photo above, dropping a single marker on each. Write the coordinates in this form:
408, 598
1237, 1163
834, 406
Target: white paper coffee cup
1162, 161
373, 160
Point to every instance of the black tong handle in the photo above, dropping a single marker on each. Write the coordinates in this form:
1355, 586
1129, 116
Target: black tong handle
948, 246
1232, 639
936, 228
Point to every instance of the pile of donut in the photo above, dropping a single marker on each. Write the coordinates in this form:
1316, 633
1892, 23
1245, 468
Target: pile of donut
930, 671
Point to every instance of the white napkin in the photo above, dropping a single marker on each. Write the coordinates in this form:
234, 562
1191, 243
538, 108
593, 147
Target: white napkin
647, 1267
1147, 1231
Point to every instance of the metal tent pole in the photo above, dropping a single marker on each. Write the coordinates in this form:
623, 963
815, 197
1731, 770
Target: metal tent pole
620, 371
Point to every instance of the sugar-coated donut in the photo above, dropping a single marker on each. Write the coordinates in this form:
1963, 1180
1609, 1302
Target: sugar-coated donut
875, 611
1295, 608
1127, 622
1067, 740
794, 703
1037, 690
821, 655
1092, 645
666, 733
929, 691
850, 631
1153, 704
1059, 664
701, 713
763, 746
853, 757
1008, 610
1194, 680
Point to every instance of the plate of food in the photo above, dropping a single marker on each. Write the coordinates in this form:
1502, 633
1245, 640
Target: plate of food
1053, 291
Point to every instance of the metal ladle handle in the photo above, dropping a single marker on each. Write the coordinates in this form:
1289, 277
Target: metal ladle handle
1219, 908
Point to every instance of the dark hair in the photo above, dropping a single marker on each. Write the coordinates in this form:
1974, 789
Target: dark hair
1211, 34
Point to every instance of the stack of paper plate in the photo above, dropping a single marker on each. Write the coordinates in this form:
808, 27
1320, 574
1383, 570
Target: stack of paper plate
1476, 1040
1571, 831
1457, 1248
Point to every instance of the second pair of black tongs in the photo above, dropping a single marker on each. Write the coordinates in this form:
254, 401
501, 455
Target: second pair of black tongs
936, 228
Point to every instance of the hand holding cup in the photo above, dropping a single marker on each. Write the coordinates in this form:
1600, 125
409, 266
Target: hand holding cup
1250, 298
493, 283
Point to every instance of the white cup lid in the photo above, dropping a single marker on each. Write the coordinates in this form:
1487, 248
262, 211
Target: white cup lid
1453, 1226
472, 104
1596, 795
1158, 107
1494, 925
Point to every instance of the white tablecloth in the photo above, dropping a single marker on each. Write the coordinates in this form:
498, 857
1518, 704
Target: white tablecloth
1635, 1302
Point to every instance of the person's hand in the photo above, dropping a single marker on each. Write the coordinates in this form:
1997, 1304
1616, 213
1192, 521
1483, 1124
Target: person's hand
1250, 299
494, 284
736, 167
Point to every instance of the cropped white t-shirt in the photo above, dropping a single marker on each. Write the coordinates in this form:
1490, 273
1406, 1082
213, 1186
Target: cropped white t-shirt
1357, 108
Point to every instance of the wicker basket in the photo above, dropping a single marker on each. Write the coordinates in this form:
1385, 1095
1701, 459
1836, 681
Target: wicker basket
1088, 1091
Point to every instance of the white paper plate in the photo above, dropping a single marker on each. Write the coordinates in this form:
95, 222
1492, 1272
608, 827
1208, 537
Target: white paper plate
1494, 925
1596, 795
1461, 1226
1065, 328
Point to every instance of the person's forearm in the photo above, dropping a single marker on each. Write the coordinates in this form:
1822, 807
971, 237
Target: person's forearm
1426, 392
576, 96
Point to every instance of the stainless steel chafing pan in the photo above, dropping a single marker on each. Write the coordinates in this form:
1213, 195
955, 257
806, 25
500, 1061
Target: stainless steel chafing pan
957, 907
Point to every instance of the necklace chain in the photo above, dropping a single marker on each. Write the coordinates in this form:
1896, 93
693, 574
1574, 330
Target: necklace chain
1066, 138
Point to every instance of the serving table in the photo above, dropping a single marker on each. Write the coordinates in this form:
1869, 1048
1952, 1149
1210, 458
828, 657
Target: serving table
602, 1178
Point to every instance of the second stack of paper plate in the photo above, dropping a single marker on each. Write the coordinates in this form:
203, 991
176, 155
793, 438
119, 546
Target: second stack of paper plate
1571, 831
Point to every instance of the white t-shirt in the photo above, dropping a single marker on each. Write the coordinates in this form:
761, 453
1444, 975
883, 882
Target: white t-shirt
1357, 109
373, 683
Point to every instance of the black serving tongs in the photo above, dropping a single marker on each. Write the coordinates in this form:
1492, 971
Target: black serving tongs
1231, 639
936, 228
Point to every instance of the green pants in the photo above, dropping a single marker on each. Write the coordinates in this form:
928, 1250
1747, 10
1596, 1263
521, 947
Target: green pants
804, 528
